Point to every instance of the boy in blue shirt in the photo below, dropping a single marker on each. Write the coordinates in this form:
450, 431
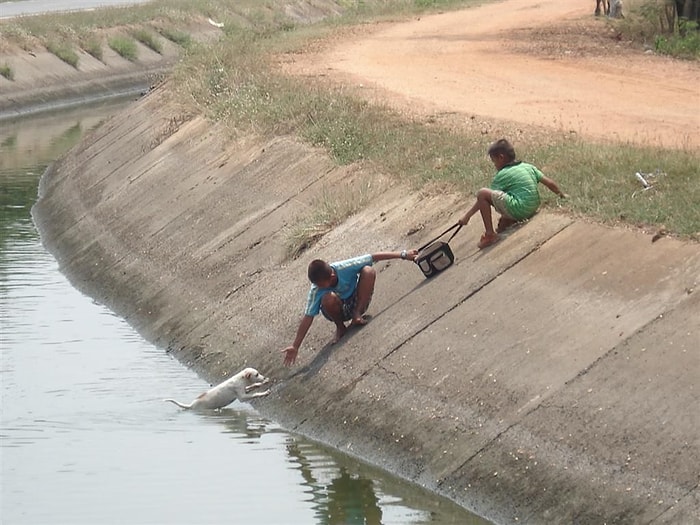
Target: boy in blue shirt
341, 291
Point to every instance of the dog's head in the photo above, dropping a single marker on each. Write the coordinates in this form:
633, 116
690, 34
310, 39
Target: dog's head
254, 378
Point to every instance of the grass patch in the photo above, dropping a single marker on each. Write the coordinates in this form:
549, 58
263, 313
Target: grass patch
93, 46
64, 50
181, 38
81, 22
657, 25
9, 142
685, 43
265, 17
7, 72
148, 38
124, 46
328, 211
234, 81
601, 182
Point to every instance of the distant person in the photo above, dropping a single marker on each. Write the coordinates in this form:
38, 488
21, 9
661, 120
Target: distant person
513, 192
341, 291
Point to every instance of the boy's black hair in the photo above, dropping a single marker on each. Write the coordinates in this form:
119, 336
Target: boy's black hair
318, 270
504, 147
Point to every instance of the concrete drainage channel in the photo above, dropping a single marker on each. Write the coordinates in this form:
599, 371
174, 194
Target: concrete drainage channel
547, 390
571, 355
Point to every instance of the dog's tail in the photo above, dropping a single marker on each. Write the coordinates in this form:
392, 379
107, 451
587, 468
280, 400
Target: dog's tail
181, 405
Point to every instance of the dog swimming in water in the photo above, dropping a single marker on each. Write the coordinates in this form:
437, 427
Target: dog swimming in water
238, 387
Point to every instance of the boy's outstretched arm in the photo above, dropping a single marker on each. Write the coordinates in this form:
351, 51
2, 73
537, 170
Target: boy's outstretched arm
409, 255
290, 353
553, 186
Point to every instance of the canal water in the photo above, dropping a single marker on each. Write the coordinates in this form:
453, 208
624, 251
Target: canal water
85, 435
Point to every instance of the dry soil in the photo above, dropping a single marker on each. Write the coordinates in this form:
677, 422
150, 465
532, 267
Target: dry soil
549, 63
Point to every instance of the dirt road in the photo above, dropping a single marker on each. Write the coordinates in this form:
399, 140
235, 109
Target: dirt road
548, 63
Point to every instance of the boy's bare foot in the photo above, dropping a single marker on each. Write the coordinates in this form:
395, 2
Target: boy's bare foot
488, 239
339, 333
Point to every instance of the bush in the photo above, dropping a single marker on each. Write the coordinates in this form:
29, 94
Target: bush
181, 38
328, 211
684, 44
148, 39
652, 22
93, 46
6, 71
64, 51
124, 46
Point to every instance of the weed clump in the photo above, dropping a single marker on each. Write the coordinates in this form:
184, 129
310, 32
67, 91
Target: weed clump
124, 47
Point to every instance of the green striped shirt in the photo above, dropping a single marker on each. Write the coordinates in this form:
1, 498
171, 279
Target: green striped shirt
519, 182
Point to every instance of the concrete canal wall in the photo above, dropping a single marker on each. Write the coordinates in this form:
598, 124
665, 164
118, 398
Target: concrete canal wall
550, 379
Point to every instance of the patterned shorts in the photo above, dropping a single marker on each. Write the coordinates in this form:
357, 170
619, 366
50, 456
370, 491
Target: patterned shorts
498, 199
348, 307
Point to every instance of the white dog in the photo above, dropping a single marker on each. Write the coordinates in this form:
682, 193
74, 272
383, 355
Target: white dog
236, 387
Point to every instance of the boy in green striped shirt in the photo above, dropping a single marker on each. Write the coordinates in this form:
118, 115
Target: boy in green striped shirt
513, 192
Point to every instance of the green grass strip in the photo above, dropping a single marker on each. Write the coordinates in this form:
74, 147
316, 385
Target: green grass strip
64, 51
234, 82
124, 46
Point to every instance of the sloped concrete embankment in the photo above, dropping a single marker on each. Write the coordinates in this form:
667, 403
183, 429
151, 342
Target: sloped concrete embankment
550, 379
43, 82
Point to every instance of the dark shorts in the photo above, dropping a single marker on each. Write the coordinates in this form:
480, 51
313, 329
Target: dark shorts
348, 307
